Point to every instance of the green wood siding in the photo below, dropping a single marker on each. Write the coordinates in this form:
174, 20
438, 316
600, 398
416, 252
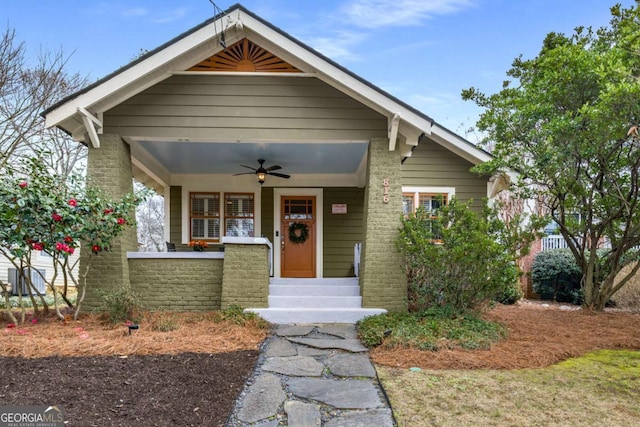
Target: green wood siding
341, 232
250, 107
267, 213
431, 165
175, 212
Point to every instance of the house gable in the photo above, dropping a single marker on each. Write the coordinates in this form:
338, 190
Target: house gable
82, 113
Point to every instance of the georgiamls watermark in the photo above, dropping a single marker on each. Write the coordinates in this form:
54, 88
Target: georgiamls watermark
31, 416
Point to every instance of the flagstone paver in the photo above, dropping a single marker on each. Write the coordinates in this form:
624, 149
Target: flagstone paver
300, 414
297, 366
347, 394
280, 347
263, 399
349, 344
342, 331
293, 330
351, 365
313, 376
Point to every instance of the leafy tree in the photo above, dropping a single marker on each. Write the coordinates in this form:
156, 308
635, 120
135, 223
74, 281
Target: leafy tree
27, 86
563, 124
454, 260
44, 211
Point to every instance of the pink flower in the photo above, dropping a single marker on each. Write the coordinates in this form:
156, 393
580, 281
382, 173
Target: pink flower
56, 217
37, 246
95, 249
68, 239
21, 331
73, 202
23, 184
34, 321
70, 251
122, 221
59, 246
107, 211
11, 325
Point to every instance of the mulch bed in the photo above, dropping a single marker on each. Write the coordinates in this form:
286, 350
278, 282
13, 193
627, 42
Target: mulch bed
539, 336
187, 389
183, 369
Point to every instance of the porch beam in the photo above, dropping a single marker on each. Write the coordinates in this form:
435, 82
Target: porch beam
90, 123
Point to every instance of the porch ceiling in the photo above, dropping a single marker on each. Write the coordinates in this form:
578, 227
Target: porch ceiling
226, 158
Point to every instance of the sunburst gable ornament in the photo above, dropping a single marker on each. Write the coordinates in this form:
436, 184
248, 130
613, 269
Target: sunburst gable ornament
245, 56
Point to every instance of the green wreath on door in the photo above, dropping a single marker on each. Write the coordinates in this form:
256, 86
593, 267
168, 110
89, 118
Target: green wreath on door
298, 232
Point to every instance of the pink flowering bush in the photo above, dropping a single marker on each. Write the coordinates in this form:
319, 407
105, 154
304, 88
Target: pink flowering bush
44, 212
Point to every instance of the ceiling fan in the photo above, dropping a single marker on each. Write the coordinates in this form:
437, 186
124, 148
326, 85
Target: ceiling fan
261, 172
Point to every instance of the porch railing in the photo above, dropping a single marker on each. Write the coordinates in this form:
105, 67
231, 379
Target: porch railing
553, 242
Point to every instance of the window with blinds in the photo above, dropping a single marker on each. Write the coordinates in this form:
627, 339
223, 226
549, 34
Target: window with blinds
205, 216
430, 202
239, 214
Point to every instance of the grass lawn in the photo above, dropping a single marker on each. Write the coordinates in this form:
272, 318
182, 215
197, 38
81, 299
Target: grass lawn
600, 388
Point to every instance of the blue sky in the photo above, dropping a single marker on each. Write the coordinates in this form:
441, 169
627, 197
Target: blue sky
422, 51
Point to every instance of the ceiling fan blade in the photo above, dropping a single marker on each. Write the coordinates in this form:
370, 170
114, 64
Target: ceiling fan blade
244, 173
248, 167
280, 175
274, 168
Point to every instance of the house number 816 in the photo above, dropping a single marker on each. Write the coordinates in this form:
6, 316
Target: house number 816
385, 190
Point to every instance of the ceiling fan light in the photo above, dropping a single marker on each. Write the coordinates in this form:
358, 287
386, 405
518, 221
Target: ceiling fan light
261, 177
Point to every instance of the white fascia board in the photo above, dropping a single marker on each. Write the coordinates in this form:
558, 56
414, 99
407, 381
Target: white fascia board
143, 75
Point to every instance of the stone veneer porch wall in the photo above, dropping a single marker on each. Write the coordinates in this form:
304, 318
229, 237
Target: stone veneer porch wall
177, 284
245, 276
383, 283
109, 168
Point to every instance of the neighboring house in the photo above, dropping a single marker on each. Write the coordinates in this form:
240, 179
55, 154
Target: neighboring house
41, 261
192, 118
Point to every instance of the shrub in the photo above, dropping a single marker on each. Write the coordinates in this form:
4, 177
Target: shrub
454, 259
556, 276
120, 304
432, 329
510, 295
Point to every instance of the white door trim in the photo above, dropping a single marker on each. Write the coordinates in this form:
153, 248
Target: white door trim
277, 194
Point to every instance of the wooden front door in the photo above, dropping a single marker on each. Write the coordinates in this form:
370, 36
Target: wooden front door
298, 236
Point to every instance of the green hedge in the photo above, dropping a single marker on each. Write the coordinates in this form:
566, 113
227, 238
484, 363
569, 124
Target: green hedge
556, 276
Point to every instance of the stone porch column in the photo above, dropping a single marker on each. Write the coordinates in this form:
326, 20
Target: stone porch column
245, 273
383, 283
109, 168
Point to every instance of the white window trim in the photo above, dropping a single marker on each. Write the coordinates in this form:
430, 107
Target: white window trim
449, 191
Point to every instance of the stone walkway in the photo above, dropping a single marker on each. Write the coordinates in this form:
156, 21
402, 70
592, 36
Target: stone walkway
312, 376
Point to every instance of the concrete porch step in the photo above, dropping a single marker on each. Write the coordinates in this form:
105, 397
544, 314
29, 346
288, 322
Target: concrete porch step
324, 281
314, 290
314, 315
306, 301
